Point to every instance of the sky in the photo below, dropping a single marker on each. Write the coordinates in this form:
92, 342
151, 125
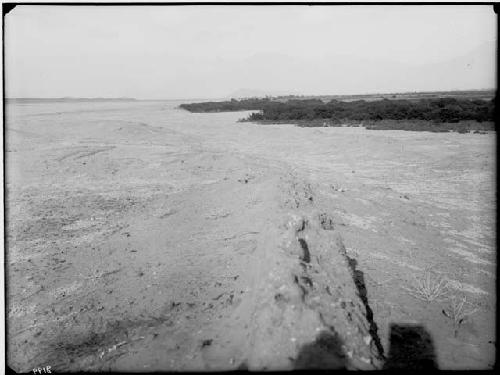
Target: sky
177, 52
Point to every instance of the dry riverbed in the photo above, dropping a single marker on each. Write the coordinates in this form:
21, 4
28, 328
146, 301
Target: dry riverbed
143, 237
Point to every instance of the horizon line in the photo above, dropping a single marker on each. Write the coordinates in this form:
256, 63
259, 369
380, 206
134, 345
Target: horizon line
125, 98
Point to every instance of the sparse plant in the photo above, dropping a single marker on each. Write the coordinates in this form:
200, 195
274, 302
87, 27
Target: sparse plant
458, 311
428, 287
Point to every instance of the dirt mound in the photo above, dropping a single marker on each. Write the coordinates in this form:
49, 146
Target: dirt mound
311, 313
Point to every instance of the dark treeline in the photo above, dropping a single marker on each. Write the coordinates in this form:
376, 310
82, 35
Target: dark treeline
314, 112
448, 110
228, 106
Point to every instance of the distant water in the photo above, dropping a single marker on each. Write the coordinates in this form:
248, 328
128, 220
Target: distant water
66, 100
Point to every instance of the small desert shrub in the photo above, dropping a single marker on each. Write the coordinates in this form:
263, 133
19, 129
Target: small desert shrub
458, 311
428, 287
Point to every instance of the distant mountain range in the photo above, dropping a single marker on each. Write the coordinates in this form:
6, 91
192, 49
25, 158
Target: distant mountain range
485, 94
278, 75
254, 93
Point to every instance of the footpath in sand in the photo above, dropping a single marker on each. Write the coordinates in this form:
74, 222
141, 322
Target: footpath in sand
142, 237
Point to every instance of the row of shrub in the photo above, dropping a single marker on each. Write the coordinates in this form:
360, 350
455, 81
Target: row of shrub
435, 110
254, 104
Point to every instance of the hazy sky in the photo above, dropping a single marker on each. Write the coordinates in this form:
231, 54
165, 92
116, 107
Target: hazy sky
213, 51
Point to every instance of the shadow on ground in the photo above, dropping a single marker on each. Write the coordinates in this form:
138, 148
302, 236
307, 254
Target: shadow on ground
411, 347
323, 353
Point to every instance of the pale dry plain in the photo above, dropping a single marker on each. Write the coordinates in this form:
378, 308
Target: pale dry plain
143, 237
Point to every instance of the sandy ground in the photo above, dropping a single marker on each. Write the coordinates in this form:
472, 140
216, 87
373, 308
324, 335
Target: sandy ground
143, 237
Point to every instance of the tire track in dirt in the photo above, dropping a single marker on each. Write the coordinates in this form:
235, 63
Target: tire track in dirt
86, 151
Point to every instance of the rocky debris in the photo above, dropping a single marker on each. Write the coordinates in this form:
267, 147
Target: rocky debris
298, 192
337, 188
326, 221
249, 176
218, 214
206, 343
